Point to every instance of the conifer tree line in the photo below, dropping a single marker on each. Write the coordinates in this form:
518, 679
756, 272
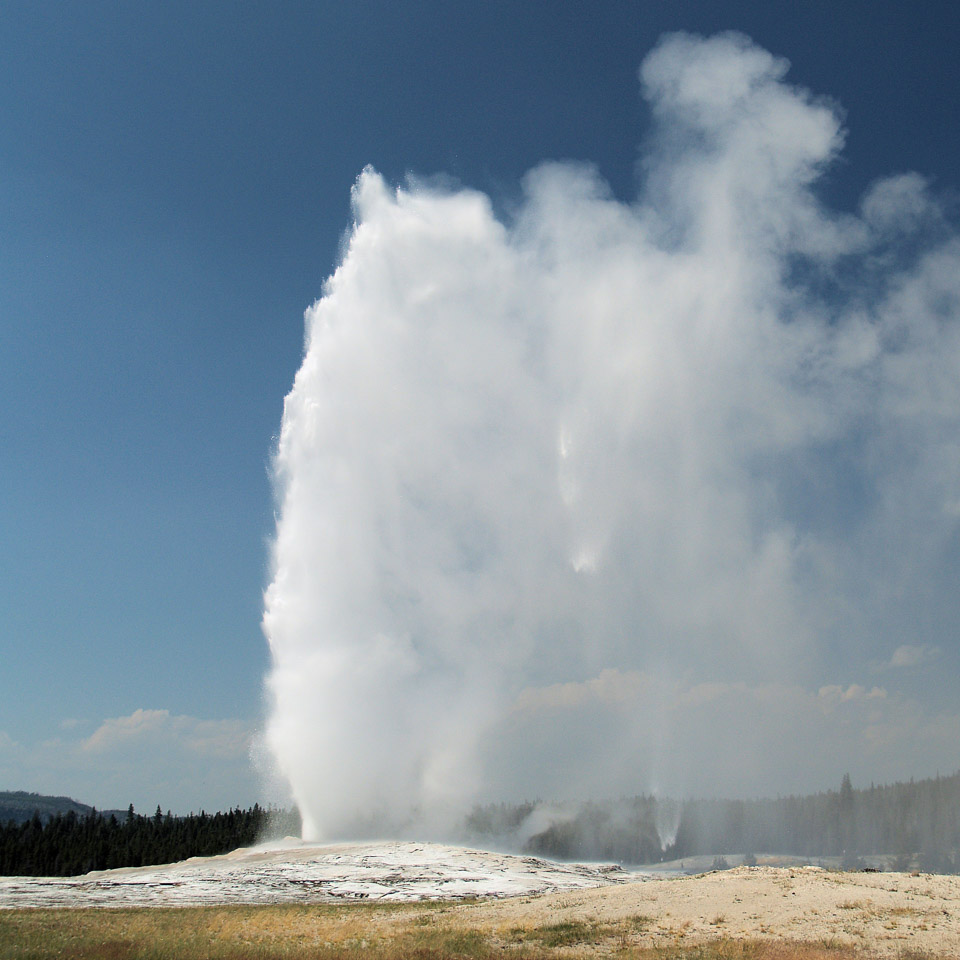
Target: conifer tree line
915, 824
70, 844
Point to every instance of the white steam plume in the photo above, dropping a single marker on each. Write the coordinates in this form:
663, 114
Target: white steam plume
546, 486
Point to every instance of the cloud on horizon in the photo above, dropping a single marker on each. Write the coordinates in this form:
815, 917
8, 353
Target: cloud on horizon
715, 738
150, 757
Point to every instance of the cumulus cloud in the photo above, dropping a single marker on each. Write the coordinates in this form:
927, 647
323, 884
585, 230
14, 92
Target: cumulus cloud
204, 738
572, 459
149, 757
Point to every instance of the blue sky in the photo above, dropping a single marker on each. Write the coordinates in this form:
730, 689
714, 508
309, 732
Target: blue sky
174, 185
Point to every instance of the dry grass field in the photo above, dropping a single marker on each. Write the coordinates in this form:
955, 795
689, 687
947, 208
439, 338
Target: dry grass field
401, 932
744, 914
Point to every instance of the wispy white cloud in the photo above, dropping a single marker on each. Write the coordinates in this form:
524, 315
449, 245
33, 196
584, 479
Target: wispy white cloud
911, 655
207, 738
834, 694
149, 757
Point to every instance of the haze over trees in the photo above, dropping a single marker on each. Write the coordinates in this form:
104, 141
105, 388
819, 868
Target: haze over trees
917, 823
19, 805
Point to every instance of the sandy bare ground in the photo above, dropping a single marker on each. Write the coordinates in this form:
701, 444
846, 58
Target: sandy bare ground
887, 913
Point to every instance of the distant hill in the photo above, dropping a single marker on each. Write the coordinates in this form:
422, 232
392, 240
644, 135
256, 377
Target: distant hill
19, 806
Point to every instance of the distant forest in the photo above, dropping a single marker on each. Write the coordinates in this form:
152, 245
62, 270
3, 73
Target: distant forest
67, 844
914, 824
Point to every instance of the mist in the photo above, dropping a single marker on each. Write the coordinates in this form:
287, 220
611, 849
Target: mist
579, 497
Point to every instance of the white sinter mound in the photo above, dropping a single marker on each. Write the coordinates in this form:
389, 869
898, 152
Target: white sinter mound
291, 871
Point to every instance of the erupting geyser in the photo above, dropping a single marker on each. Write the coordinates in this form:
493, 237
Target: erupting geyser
564, 500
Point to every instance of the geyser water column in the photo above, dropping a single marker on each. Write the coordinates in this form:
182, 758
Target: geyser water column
412, 458
549, 487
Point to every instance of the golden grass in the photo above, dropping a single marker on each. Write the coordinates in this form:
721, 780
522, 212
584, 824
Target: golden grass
424, 931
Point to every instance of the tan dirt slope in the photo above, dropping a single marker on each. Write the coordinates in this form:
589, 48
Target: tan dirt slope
886, 913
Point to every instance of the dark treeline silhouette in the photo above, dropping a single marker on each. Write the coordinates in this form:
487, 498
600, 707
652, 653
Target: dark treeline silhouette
913, 824
69, 844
